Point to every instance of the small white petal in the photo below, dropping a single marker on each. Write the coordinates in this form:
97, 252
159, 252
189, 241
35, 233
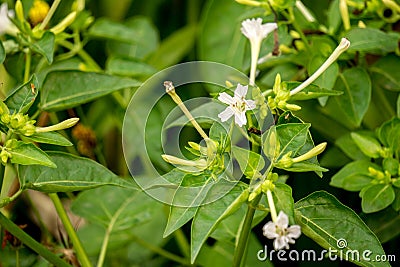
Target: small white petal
241, 90
240, 118
269, 230
281, 242
226, 114
250, 104
267, 28
294, 231
225, 98
282, 220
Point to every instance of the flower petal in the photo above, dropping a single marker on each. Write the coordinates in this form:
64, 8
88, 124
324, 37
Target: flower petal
250, 104
269, 230
241, 90
282, 221
226, 114
267, 28
240, 118
281, 242
225, 98
294, 231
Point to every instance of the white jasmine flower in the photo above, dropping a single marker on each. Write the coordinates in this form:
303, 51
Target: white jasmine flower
255, 31
280, 231
6, 25
237, 105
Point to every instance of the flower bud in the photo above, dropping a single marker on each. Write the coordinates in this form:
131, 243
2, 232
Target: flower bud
59, 126
5, 118
17, 121
38, 11
286, 161
19, 11
312, 153
60, 27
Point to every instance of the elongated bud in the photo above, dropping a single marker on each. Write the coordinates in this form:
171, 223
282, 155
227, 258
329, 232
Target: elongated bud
170, 89
249, 2
60, 27
19, 11
312, 153
344, 12
178, 161
343, 46
306, 13
59, 126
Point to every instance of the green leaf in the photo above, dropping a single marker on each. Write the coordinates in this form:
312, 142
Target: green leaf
113, 207
2, 53
22, 98
398, 106
125, 67
135, 39
29, 154
310, 92
174, 47
389, 134
367, 144
349, 147
371, 40
327, 221
250, 162
354, 176
67, 176
45, 46
291, 137
53, 138
384, 73
334, 18
67, 89
209, 216
350, 108
377, 197
283, 200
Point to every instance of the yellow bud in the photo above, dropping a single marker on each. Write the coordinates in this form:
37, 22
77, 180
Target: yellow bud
312, 153
249, 2
38, 11
59, 126
228, 84
19, 11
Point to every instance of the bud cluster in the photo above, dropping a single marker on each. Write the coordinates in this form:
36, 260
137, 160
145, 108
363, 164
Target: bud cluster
17, 122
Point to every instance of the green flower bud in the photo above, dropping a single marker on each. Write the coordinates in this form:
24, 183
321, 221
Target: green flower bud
5, 118
255, 193
369, 145
267, 185
312, 153
28, 129
60, 27
282, 4
286, 161
17, 121
19, 11
59, 126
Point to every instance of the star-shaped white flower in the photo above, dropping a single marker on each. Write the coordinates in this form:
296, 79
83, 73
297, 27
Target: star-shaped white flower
280, 231
6, 26
238, 105
255, 30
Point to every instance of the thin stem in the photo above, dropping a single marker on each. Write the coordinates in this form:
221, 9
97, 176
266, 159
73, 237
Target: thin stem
290, 16
182, 242
7, 200
82, 53
17, 264
80, 251
271, 205
27, 65
50, 14
239, 258
30, 242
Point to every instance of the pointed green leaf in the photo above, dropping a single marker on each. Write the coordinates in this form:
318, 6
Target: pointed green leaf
328, 222
377, 197
367, 144
45, 46
208, 217
291, 137
53, 138
349, 147
389, 134
22, 98
385, 74
350, 108
2, 53
67, 89
67, 176
29, 154
128, 67
283, 200
385, 224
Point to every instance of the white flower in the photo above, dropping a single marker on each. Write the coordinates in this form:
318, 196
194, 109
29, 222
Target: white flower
237, 105
255, 31
280, 231
6, 25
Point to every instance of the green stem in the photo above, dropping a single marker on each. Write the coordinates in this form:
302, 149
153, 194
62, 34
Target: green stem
80, 251
82, 53
27, 65
161, 252
30, 242
182, 242
17, 264
50, 14
7, 200
271, 205
240, 256
54, 120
